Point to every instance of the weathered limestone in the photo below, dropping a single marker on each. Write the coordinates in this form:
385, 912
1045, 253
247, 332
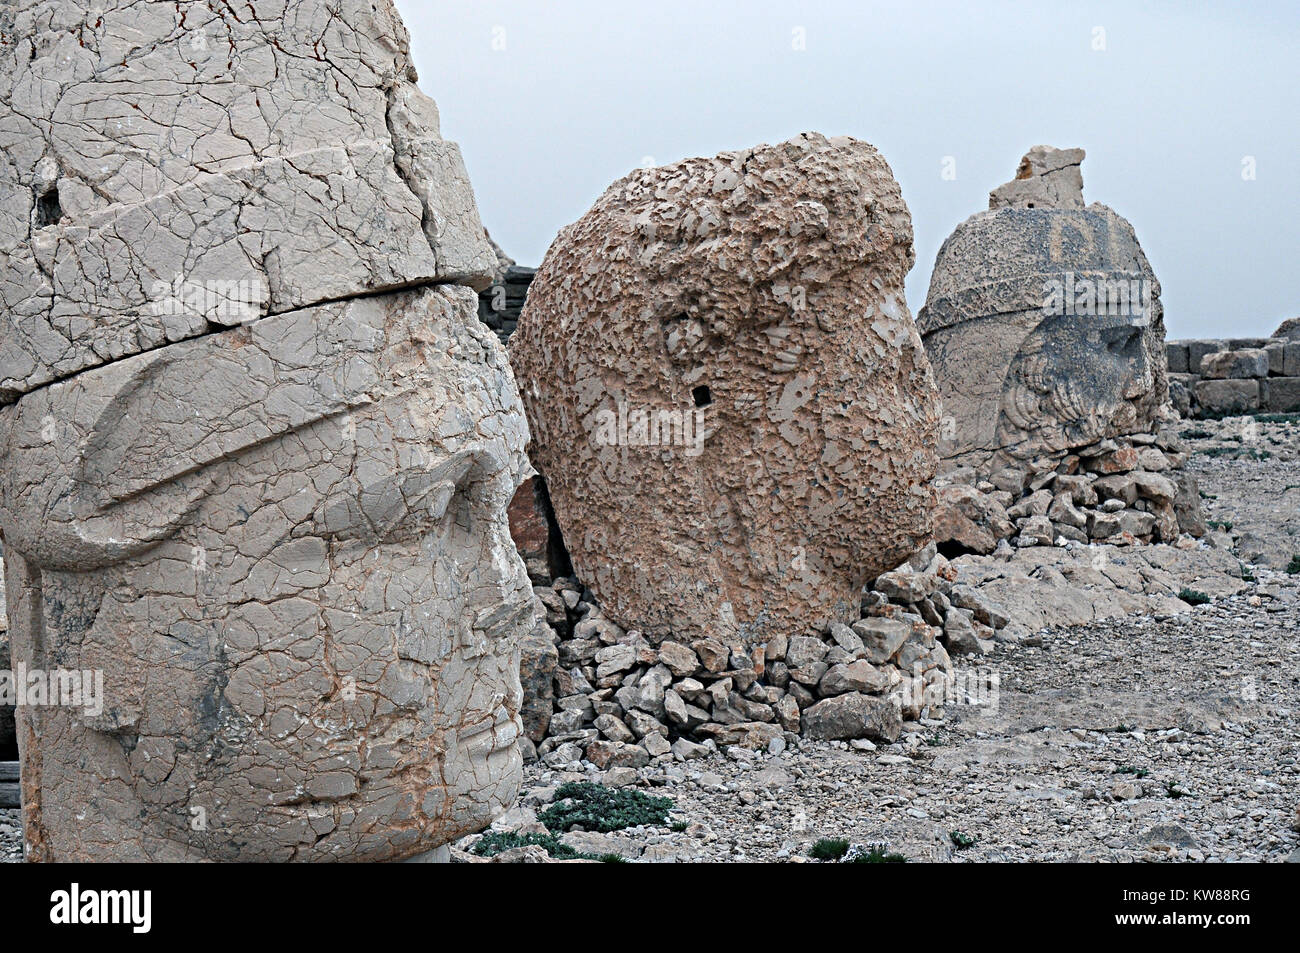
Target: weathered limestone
1228, 396
1235, 365
1043, 323
727, 394
309, 169
283, 542
1046, 178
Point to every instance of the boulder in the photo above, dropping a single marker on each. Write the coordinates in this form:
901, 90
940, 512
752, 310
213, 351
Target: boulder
1187, 504
727, 394
859, 676
1275, 348
882, 638
1291, 359
853, 716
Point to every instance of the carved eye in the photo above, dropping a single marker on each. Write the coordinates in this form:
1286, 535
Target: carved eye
412, 501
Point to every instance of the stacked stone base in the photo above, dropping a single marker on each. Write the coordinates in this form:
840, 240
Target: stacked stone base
1121, 491
596, 692
1218, 378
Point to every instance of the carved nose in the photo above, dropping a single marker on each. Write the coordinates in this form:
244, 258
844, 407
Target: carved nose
503, 596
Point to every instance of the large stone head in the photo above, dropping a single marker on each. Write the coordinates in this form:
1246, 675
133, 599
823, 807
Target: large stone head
274, 522
726, 391
1043, 323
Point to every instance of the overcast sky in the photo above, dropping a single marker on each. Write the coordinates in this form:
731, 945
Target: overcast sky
1190, 115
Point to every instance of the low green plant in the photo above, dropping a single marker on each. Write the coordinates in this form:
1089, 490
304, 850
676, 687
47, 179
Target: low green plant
594, 807
961, 840
493, 843
1219, 524
828, 848
1130, 769
678, 827
1194, 597
1293, 567
1246, 574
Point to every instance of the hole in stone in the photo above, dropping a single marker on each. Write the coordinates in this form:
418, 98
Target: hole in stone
48, 210
951, 549
702, 396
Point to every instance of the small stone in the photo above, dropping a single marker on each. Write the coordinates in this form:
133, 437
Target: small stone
614, 729
860, 676
686, 750
713, 655
613, 754
882, 637
681, 661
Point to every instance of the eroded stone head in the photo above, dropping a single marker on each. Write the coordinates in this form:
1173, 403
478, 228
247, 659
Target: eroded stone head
307, 622
727, 393
265, 499
1043, 323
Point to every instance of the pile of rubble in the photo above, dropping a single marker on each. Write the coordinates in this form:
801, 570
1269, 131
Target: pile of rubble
1214, 378
1119, 491
594, 691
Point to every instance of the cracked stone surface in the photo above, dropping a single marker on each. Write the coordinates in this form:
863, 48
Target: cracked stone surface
250, 160
1030, 360
281, 538
758, 296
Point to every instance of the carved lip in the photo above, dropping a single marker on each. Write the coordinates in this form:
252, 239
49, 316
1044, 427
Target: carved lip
493, 734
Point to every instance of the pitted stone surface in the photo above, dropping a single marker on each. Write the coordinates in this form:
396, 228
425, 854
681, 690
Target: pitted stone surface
272, 513
249, 161
756, 297
1044, 324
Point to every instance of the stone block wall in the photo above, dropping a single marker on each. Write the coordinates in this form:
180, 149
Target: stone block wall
1223, 377
500, 304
